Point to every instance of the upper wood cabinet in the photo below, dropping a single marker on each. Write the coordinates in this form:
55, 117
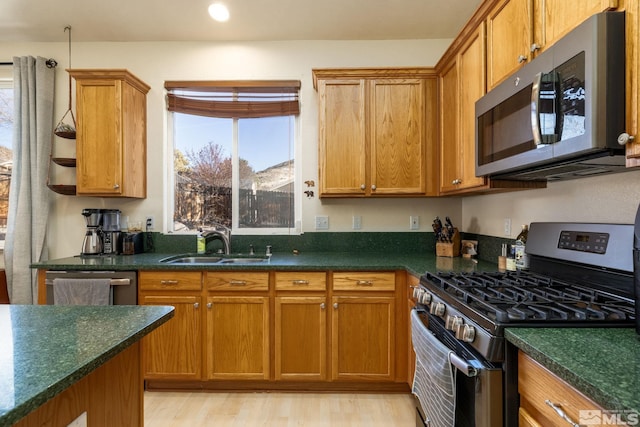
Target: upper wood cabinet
377, 130
517, 30
111, 141
462, 83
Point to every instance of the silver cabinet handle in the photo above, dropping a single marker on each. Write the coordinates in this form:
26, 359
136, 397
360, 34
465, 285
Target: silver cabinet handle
196, 305
300, 282
373, 187
364, 283
456, 181
237, 283
322, 306
521, 59
362, 186
209, 304
116, 186
561, 413
335, 305
168, 282
534, 47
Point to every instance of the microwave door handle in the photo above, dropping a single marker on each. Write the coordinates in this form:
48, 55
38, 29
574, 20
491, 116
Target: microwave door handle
535, 109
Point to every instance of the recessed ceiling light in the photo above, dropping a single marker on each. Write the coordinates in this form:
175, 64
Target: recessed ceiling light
219, 12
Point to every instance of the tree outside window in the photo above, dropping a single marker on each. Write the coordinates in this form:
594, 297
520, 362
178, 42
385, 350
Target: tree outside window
6, 152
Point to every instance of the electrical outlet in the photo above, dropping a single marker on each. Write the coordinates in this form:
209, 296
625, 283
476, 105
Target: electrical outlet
507, 226
322, 222
414, 222
356, 222
149, 223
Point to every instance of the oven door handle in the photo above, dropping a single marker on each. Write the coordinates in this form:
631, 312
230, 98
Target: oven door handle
462, 365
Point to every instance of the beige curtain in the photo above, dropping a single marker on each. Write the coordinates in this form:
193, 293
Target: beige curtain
33, 83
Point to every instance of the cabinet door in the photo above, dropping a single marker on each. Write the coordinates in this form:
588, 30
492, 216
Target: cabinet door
449, 119
362, 338
555, 18
397, 138
99, 136
301, 338
509, 38
341, 130
238, 337
174, 350
472, 78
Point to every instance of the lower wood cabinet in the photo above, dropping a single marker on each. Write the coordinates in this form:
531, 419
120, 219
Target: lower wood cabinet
363, 338
237, 344
322, 328
174, 350
301, 338
539, 389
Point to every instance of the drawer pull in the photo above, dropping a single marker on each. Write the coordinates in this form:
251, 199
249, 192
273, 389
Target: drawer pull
364, 283
561, 413
237, 283
300, 282
196, 305
322, 306
209, 305
168, 282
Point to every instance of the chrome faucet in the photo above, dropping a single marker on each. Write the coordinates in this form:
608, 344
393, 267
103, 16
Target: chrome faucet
219, 232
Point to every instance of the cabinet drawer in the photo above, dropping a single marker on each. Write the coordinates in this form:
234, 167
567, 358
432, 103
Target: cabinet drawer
537, 385
301, 281
364, 281
236, 281
170, 280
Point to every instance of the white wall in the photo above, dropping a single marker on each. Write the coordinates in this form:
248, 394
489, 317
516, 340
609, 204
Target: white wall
609, 198
156, 62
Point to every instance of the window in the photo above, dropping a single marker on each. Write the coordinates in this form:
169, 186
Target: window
6, 145
234, 155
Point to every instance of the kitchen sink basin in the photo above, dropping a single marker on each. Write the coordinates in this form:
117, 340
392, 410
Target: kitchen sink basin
241, 260
194, 259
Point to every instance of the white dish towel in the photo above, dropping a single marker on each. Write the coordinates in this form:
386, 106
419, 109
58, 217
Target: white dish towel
82, 291
434, 380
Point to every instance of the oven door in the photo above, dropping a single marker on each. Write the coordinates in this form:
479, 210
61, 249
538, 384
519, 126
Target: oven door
452, 390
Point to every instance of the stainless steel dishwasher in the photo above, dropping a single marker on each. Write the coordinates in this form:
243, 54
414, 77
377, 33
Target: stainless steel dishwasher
123, 283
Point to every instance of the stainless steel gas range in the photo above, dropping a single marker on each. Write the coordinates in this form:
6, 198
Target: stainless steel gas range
580, 275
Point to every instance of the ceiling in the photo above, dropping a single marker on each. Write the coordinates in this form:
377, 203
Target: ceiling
251, 20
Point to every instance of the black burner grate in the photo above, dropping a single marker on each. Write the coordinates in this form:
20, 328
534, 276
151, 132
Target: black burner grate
528, 297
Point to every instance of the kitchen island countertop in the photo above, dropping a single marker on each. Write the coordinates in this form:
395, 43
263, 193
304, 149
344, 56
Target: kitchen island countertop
601, 363
46, 349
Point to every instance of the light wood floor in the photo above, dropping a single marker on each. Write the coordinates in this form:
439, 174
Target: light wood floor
164, 409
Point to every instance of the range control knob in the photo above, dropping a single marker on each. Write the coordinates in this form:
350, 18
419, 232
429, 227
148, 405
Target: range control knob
466, 333
438, 309
453, 322
425, 298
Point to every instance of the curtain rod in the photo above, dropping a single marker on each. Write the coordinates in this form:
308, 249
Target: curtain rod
6, 63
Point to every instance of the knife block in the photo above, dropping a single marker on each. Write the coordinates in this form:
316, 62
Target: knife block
449, 249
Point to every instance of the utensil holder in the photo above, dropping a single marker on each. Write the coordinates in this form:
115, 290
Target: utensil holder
449, 249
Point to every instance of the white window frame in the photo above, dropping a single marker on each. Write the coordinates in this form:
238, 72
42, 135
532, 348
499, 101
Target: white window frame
170, 184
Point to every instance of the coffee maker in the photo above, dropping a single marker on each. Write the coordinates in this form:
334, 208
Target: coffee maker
92, 243
111, 231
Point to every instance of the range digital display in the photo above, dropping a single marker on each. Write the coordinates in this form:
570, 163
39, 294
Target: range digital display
592, 242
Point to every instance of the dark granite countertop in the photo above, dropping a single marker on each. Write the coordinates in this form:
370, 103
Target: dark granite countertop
416, 264
46, 349
602, 363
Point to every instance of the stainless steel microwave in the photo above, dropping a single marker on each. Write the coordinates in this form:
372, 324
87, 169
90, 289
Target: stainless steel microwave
560, 115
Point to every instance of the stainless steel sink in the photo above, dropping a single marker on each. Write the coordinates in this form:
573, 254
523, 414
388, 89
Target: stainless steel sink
241, 260
194, 259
